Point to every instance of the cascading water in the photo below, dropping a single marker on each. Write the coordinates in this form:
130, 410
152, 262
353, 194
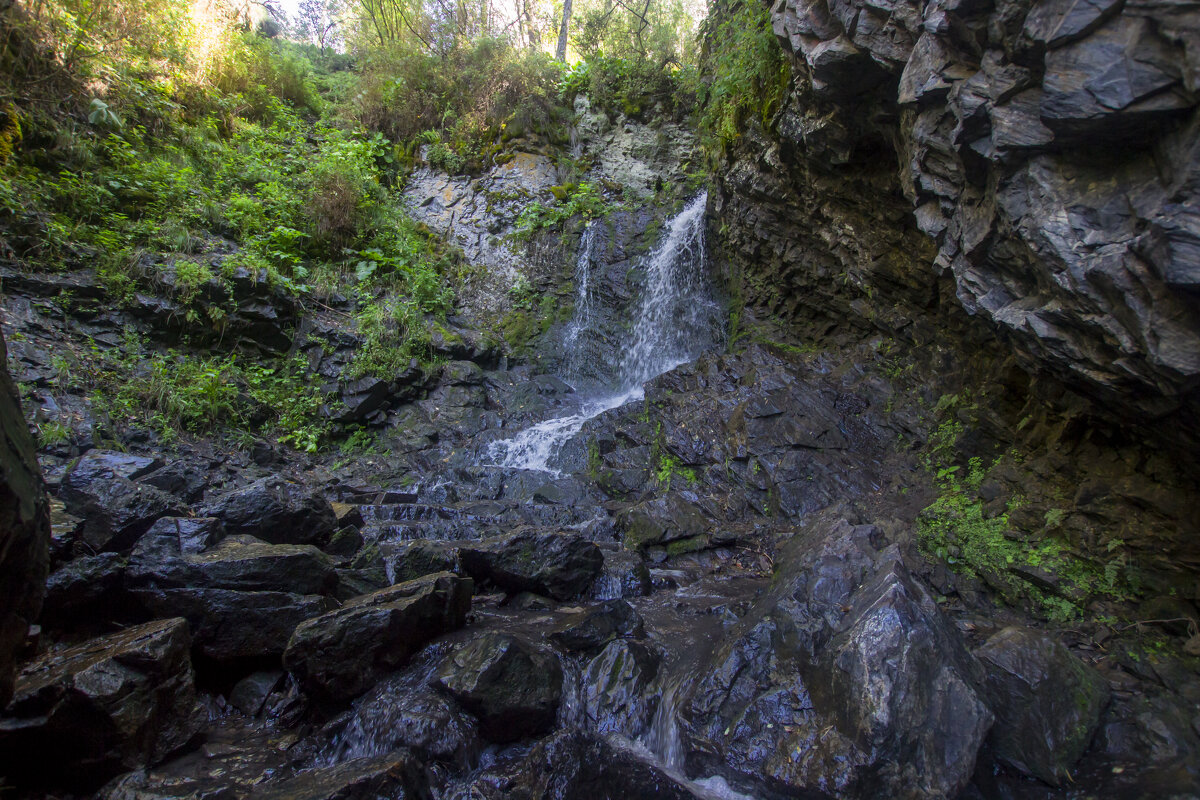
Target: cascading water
677, 319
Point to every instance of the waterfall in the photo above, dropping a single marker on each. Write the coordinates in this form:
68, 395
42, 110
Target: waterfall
677, 319
581, 320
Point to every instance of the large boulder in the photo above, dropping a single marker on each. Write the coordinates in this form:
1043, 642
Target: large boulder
232, 626
558, 565
662, 520
116, 703
102, 489
237, 562
616, 685
1047, 702
276, 510
24, 529
845, 679
404, 711
243, 597
512, 688
339, 655
87, 590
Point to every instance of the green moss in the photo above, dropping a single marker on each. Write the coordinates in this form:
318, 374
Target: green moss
693, 544
518, 327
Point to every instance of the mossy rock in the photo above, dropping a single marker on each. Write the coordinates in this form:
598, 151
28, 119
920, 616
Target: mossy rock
518, 327
693, 545
563, 193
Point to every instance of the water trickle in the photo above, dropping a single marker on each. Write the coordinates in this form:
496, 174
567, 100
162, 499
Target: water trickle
663, 739
581, 320
677, 319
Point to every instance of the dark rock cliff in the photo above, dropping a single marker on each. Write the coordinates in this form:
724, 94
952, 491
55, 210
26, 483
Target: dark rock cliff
1032, 163
24, 530
1001, 195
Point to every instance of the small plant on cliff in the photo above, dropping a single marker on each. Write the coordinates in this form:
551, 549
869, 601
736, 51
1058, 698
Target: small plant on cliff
571, 200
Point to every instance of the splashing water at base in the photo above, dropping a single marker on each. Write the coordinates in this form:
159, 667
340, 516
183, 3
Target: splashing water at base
534, 447
677, 319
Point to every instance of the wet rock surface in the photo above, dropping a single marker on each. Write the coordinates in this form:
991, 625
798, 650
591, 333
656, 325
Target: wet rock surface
277, 511
24, 530
116, 703
396, 775
719, 587
559, 565
1046, 170
510, 687
338, 655
1047, 703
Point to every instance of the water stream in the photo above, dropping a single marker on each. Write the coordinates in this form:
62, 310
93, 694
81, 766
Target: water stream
677, 319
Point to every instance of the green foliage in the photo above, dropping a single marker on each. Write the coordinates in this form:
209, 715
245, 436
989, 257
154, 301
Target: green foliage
633, 86
394, 332
668, 467
957, 529
744, 70
287, 394
571, 200
665, 465
53, 433
174, 391
471, 97
657, 34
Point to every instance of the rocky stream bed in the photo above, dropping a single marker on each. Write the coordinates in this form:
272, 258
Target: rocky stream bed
659, 554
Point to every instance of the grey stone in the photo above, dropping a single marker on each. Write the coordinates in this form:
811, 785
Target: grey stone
340, 654
1047, 703
115, 703
510, 687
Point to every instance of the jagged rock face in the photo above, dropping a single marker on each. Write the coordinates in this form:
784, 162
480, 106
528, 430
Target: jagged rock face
1047, 151
24, 530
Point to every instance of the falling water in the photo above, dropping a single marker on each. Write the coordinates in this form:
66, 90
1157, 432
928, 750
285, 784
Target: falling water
663, 739
582, 318
677, 319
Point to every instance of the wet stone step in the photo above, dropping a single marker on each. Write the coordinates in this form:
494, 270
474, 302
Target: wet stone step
396, 512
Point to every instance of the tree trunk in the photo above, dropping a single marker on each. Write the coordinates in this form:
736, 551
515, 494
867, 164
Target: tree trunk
561, 52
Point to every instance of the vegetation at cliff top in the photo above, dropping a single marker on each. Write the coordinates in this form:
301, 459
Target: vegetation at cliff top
174, 145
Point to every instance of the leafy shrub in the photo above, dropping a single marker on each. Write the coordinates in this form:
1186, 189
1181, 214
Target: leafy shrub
632, 86
744, 69
465, 95
573, 200
394, 333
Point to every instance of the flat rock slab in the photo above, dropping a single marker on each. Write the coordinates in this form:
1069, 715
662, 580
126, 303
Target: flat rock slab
339, 655
238, 562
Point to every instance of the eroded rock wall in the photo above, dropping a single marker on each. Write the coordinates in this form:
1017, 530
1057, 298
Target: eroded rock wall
1035, 165
24, 530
